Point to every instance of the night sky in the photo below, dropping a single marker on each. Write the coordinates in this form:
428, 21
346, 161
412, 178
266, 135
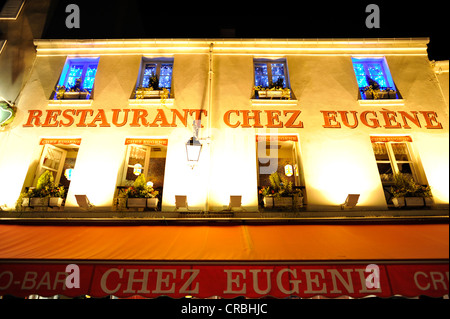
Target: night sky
101, 19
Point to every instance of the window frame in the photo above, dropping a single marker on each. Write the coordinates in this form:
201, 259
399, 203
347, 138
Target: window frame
268, 63
147, 149
86, 62
412, 161
158, 62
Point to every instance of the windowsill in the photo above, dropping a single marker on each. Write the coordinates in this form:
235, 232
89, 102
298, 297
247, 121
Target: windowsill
382, 102
150, 102
70, 102
262, 102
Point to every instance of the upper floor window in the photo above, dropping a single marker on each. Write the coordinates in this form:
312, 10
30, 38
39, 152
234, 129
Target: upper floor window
77, 78
374, 79
271, 79
155, 80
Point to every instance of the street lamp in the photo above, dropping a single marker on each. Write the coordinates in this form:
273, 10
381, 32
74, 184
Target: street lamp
193, 149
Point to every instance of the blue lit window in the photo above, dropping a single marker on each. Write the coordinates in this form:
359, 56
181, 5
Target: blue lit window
269, 74
374, 73
81, 70
157, 74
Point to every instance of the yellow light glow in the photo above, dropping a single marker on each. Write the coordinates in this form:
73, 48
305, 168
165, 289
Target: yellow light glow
334, 47
330, 181
288, 171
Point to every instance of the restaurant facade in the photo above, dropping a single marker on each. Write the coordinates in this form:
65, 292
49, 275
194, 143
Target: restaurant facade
210, 125
332, 138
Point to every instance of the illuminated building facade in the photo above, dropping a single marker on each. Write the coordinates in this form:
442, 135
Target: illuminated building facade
207, 123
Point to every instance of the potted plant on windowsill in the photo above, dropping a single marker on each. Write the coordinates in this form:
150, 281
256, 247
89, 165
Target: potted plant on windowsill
408, 193
281, 193
276, 90
45, 194
141, 195
72, 93
374, 92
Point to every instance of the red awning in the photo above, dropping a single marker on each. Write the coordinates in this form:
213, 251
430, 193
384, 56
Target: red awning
227, 261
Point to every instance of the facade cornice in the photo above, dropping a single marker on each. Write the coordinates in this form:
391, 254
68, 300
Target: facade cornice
254, 47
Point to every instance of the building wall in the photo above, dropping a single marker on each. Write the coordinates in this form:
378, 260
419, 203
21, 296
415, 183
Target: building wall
335, 161
16, 60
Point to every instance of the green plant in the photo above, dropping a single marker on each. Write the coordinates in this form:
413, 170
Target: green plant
77, 86
278, 84
60, 90
154, 82
44, 188
140, 189
45, 181
405, 186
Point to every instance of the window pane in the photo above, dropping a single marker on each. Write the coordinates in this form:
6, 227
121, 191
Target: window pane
359, 69
400, 151
137, 156
136, 162
75, 72
278, 74
149, 71
165, 78
405, 168
261, 75
52, 159
380, 151
385, 171
90, 77
360, 75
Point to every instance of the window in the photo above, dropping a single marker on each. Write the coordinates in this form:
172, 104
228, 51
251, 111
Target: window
155, 75
78, 76
374, 79
271, 74
393, 155
59, 157
279, 153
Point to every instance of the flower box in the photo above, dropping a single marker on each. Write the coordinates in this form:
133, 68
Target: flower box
380, 95
42, 202
76, 95
274, 93
270, 201
25, 202
152, 203
84, 95
55, 202
412, 201
137, 202
39, 202
71, 95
